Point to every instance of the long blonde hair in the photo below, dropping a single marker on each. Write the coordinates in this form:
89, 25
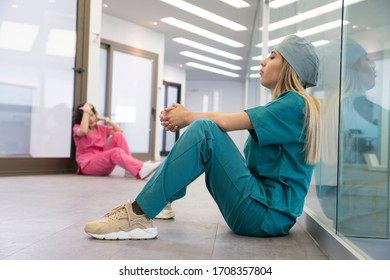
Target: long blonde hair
289, 80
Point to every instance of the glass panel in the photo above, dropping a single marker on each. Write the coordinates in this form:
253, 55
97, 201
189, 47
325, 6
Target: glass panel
131, 98
364, 184
37, 53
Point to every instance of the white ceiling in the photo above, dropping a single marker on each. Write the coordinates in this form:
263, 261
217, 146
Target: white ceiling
147, 12
370, 31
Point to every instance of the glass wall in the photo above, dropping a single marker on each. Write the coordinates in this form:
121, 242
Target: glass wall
363, 181
37, 54
349, 193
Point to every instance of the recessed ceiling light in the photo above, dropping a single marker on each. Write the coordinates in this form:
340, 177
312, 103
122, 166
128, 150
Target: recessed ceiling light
212, 69
205, 14
206, 48
210, 60
201, 32
236, 3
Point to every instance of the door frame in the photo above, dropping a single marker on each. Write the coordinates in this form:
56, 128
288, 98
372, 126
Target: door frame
111, 46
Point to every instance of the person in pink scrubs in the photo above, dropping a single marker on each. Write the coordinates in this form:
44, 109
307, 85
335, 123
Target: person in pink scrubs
99, 148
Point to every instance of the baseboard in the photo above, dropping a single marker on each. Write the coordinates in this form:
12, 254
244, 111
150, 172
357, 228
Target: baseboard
334, 246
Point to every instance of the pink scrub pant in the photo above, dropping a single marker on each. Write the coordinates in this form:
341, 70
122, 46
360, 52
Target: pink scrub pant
116, 152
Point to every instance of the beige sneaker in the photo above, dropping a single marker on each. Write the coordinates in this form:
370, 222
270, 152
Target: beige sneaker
167, 213
121, 223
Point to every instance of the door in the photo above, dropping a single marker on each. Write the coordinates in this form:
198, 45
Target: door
172, 94
131, 94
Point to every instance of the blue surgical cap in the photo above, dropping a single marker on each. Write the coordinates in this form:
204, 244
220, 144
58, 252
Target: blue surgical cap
302, 57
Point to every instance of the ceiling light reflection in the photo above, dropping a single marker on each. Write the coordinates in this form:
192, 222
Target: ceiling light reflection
236, 3
17, 36
280, 3
61, 42
309, 14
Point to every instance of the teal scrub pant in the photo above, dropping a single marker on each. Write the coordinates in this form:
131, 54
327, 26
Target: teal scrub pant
204, 147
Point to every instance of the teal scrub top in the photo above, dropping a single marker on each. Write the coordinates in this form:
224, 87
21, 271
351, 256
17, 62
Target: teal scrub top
274, 154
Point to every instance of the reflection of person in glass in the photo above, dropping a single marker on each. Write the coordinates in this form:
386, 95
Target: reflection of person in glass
358, 120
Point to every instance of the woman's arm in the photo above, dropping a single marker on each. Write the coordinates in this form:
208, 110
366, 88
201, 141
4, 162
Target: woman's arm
114, 125
177, 116
84, 124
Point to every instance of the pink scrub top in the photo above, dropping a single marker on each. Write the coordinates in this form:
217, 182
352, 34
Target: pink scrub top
90, 144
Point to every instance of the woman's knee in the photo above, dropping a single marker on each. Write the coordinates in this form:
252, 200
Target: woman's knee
116, 152
203, 125
117, 135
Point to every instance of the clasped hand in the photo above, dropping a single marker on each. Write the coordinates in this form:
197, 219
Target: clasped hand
173, 117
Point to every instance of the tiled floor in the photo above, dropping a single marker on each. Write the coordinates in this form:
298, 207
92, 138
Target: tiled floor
42, 218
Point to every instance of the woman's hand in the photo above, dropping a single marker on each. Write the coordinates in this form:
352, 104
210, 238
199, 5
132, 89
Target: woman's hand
87, 108
102, 118
174, 117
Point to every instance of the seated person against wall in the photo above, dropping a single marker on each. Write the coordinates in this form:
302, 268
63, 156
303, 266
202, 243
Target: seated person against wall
259, 195
100, 148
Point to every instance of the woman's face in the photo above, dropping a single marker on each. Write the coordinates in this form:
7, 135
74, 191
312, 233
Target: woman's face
271, 68
366, 70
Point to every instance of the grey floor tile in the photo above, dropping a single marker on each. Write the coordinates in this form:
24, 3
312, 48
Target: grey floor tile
42, 218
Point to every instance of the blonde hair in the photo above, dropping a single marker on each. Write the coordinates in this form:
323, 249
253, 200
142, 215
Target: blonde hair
289, 80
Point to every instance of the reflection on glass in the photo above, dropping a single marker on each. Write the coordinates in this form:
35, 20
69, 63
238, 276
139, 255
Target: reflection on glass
37, 54
363, 191
359, 204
